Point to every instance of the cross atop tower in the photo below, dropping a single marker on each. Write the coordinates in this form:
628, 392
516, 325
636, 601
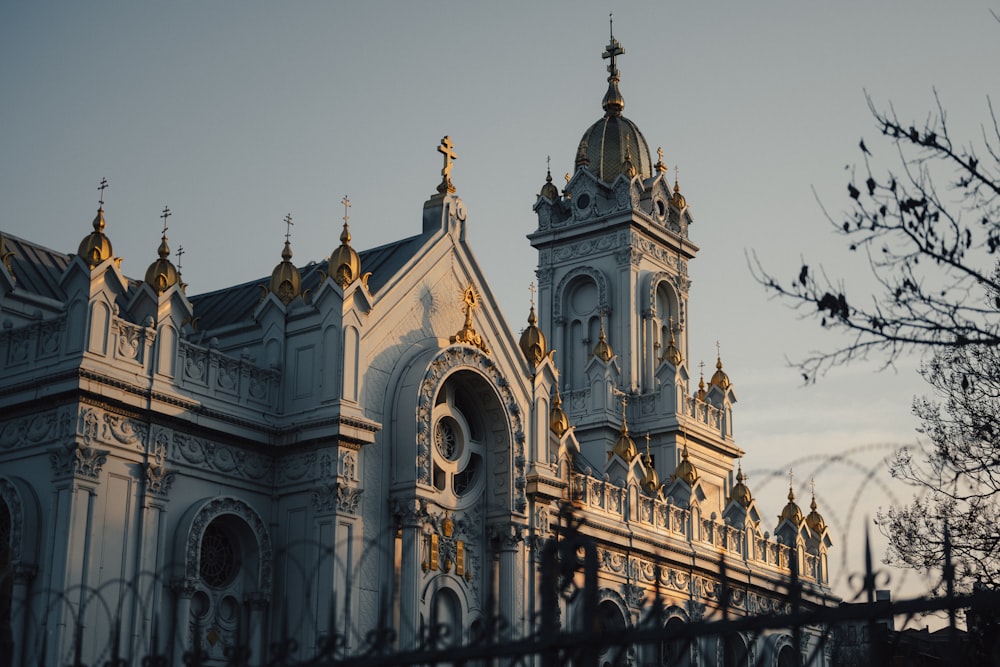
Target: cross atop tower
288, 227
347, 204
102, 187
447, 149
166, 214
531, 288
180, 253
613, 50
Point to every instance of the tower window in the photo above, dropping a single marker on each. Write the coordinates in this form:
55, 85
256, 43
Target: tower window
219, 564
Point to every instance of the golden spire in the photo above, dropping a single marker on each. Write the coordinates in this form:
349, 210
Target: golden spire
624, 446
650, 480
162, 274
791, 512
603, 349
467, 335
286, 282
701, 382
447, 150
678, 198
549, 190
96, 247
815, 519
627, 167
660, 167
720, 379
532, 339
558, 421
685, 469
345, 263
613, 102
672, 354
741, 492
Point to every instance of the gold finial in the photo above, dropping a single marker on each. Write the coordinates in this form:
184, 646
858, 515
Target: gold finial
685, 469
288, 227
815, 519
627, 167
647, 443
677, 183
791, 512
532, 339
164, 249
345, 263
660, 167
624, 446
558, 421
603, 349
447, 150
102, 187
672, 353
162, 274
286, 282
467, 335
531, 289
549, 190
567, 177
347, 204
791, 478
613, 102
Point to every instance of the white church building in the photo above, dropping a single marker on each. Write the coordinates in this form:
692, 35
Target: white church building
365, 440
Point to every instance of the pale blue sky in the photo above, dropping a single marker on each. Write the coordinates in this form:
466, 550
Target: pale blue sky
236, 114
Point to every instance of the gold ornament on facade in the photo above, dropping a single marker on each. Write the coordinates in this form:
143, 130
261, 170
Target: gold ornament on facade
678, 199
345, 263
672, 353
624, 447
6, 258
720, 379
701, 382
741, 492
650, 480
162, 274
96, 247
558, 421
467, 335
447, 150
685, 470
791, 511
532, 339
659, 166
603, 349
286, 281
815, 520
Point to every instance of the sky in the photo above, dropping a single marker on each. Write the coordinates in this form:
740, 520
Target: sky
237, 114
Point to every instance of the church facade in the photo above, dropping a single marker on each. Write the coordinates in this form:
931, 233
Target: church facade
311, 453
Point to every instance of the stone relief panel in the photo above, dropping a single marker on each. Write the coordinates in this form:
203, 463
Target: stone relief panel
222, 458
43, 428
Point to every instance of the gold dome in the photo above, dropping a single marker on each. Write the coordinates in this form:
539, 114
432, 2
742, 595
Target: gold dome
741, 492
672, 354
720, 379
533, 340
650, 480
345, 263
701, 387
815, 519
603, 349
286, 282
791, 512
558, 421
161, 274
678, 199
625, 446
614, 145
549, 190
95, 247
685, 469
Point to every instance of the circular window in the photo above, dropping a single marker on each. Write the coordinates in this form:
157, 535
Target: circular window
448, 439
583, 201
219, 565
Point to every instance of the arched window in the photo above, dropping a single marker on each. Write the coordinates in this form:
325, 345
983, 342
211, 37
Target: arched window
675, 651
459, 439
735, 652
611, 622
582, 310
446, 617
786, 657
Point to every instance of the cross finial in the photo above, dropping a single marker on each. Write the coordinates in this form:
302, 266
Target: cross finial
812, 486
647, 443
791, 478
718, 349
613, 50
102, 187
166, 214
447, 150
701, 367
659, 153
531, 288
180, 253
347, 204
288, 227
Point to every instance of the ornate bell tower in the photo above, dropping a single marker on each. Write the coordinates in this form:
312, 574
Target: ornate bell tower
613, 249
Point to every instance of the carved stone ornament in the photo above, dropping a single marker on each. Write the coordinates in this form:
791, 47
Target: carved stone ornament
234, 506
78, 461
159, 478
49, 426
440, 368
337, 498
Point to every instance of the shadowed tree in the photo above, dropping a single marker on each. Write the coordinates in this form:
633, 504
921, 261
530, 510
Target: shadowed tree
930, 227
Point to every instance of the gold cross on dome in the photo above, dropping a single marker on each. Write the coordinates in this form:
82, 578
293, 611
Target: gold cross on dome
166, 214
531, 288
102, 187
613, 50
288, 226
447, 149
347, 204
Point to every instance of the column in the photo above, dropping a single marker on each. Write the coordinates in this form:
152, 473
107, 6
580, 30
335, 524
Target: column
507, 538
411, 514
